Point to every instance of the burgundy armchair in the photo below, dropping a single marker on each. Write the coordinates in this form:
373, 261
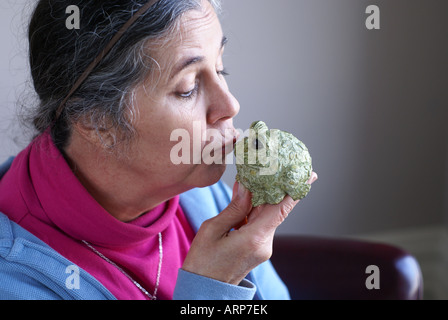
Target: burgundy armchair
316, 268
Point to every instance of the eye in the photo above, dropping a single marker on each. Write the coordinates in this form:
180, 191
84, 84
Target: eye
189, 94
258, 144
223, 72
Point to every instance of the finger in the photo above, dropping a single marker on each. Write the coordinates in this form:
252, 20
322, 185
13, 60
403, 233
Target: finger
313, 178
244, 221
234, 190
236, 212
267, 218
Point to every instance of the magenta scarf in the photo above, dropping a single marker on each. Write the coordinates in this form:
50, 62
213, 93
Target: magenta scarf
41, 193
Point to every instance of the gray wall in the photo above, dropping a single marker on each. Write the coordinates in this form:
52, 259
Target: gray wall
13, 73
370, 105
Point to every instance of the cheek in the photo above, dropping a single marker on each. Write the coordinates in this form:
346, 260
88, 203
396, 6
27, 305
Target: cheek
169, 119
153, 147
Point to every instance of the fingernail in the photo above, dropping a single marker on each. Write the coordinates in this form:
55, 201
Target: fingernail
241, 190
313, 178
234, 190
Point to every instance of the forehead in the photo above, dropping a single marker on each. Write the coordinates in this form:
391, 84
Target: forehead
199, 32
196, 24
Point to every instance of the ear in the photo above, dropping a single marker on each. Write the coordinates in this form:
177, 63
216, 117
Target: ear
102, 136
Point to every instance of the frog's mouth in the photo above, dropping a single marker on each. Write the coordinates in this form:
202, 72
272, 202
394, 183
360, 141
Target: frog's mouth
251, 154
253, 161
251, 166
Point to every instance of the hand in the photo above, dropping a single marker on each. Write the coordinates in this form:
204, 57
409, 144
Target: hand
229, 255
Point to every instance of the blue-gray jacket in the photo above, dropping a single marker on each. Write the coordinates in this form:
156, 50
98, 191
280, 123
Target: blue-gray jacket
30, 269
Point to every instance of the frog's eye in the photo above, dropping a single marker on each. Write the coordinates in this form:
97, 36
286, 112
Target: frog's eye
258, 144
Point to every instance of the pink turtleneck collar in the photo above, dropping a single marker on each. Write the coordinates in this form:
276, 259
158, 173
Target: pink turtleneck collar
41, 193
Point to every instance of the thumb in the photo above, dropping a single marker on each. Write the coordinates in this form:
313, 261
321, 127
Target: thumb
237, 210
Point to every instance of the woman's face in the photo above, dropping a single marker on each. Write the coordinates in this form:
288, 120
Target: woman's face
189, 93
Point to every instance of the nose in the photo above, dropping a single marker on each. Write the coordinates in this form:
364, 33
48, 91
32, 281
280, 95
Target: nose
222, 105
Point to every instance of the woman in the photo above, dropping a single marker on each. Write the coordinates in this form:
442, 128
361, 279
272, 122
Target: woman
94, 208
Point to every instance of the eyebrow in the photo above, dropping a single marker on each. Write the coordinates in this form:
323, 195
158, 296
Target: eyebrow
194, 60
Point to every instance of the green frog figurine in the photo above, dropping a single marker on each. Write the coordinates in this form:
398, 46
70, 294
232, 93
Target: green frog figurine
271, 164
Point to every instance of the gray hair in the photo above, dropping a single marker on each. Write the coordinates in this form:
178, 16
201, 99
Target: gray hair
58, 56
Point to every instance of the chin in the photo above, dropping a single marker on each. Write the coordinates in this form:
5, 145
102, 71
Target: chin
210, 175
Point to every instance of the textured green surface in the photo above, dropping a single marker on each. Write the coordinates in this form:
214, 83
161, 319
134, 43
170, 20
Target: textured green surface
271, 164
